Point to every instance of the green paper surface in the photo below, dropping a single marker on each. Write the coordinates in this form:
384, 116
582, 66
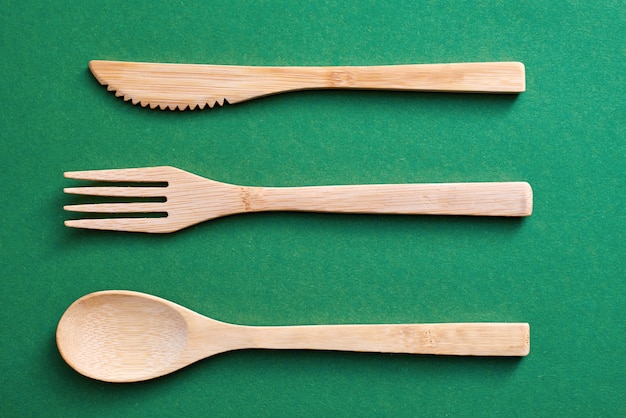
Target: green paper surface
561, 270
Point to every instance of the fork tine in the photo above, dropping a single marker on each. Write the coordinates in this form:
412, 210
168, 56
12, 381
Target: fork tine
146, 207
153, 174
117, 191
153, 225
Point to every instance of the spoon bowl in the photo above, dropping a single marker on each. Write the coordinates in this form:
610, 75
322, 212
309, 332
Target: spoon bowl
126, 336
120, 336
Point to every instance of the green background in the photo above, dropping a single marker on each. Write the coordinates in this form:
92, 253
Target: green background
561, 270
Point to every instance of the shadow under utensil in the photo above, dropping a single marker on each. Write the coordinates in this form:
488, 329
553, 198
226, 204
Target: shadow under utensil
466, 104
322, 364
330, 221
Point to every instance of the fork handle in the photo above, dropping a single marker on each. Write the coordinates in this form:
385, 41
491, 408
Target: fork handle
469, 339
479, 199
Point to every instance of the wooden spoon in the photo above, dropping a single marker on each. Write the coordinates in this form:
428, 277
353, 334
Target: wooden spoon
125, 336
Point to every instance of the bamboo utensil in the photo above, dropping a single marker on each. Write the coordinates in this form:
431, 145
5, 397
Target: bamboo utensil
182, 86
125, 336
190, 199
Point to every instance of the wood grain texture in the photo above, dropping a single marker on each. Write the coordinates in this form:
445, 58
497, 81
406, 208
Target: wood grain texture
190, 199
182, 86
125, 336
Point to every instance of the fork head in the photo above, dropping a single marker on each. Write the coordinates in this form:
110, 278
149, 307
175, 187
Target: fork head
189, 199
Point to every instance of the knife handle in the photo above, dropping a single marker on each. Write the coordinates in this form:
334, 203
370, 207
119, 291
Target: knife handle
478, 77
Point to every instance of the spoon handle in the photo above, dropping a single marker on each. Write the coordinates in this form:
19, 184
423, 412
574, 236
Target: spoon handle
464, 339
480, 199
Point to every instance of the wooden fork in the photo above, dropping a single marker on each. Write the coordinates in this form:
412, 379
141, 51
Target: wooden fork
190, 199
